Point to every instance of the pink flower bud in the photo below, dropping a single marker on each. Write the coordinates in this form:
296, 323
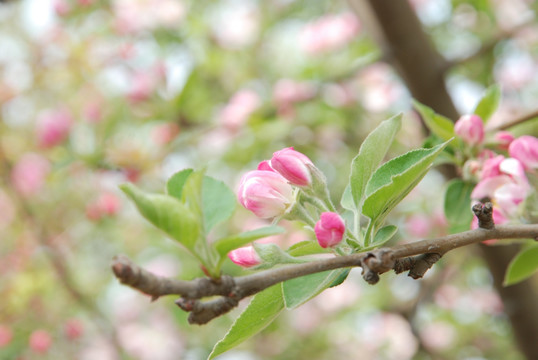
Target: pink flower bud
6, 335
470, 129
245, 256
53, 127
73, 329
329, 229
266, 193
265, 165
293, 165
525, 149
504, 139
40, 341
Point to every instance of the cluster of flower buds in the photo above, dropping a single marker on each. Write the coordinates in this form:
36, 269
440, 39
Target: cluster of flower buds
501, 179
277, 189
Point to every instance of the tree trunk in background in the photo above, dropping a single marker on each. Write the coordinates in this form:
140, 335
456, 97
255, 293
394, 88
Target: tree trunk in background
396, 28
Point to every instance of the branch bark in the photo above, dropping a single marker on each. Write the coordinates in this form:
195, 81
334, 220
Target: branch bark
417, 257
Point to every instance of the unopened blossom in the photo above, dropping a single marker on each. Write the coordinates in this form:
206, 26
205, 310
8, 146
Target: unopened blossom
292, 165
470, 128
53, 127
266, 193
329, 229
40, 341
525, 149
245, 256
504, 139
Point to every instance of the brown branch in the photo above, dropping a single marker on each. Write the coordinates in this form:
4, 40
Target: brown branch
417, 257
517, 121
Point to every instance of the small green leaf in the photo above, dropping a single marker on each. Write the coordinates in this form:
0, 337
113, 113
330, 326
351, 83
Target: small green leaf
372, 151
262, 310
218, 202
489, 103
347, 199
229, 243
384, 234
174, 185
307, 247
438, 124
395, 179
166, 213
341, 278
192, 193
457, 205
272, 254
299, 290
522, 266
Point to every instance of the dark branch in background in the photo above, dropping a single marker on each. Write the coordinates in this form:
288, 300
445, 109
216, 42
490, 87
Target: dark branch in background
518, 121
415, 257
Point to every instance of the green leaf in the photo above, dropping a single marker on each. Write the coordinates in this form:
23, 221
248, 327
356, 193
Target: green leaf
457, 205
299, 290
341, 278
192, 193
438, 124
262, 310
218, 202
371, 153
307, 247
489, 103
395, 179
174, 185
384, 234
347, 199
166, 213
229, 243
522, 266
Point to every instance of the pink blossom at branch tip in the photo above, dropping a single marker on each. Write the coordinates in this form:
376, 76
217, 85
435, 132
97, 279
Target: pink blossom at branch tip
525, 149
29, 173
470, 128
245, 256
6, 335
329, 229
266, 193
292, 165
40, 341
53, 127
504, 139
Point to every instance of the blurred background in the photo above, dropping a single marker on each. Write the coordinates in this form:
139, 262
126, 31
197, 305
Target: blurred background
95, 93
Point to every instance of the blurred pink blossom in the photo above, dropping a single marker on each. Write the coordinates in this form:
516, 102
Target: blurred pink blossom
504, 139
107, 204
525, 149
419, 225
237, 26
328, 33
40, 341
73, 329
235, 114
470, 128
6, 335
92, 112
145, 82
61, 7
163, 134
7, 210
52, 127
438, 335
287, 92
378, 87
136, 15
29, 172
